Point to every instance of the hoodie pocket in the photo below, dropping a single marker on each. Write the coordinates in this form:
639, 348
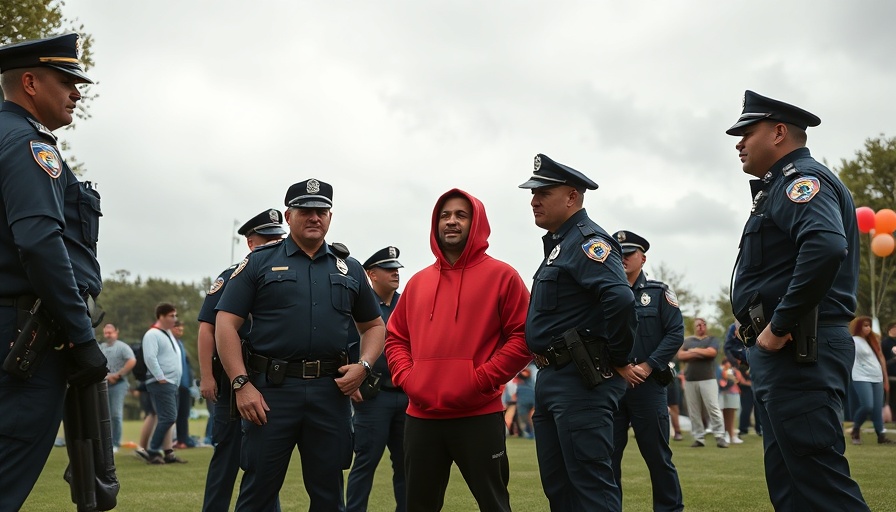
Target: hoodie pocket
445, 385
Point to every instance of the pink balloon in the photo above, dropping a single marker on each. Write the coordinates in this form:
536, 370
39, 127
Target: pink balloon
865, 219
882, 245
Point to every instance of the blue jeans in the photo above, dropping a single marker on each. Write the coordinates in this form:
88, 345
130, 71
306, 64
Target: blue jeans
164, 401
870, 401
117, 393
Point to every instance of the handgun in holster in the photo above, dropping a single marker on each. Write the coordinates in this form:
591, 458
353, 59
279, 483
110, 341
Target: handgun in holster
587, 362
29, 348
805, 338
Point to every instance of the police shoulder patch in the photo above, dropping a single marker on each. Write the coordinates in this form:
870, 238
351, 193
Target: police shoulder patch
47, 158
597, 249
217, 285
240, 267
803, 189
671, 298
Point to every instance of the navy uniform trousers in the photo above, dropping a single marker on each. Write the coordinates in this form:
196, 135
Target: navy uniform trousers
574, 440
311, 414
800, 406
30, 422
378, 423
225, 463
645, 407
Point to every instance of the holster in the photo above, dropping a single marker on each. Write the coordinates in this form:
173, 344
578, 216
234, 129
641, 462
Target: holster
586, 357
804, 335
36, 334
663, 377
371, 385
88, 439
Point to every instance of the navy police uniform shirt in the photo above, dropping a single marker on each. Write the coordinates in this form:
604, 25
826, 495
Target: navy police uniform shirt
581, 284
42, 198
660, 325
301, 307
381, 366
799, 246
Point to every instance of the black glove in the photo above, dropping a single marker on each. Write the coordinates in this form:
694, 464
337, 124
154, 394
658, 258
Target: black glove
86, 364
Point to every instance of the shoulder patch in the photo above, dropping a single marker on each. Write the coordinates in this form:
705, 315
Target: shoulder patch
240, 267
597, 249
671, 298
47, 158
803, 189
217, 285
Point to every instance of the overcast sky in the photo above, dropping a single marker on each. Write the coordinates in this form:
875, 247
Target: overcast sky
209, 110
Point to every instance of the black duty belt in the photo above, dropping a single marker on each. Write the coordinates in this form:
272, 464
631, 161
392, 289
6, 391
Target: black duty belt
396, 389
303, 369
556, 355
21, 302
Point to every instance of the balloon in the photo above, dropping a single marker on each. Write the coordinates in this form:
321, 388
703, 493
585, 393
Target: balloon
883, 244
865, 218
885, 221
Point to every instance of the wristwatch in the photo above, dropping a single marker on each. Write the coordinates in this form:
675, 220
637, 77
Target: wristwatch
366, 366
239, 382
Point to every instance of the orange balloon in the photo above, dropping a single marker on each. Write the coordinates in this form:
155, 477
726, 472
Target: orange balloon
883, 244
885, 221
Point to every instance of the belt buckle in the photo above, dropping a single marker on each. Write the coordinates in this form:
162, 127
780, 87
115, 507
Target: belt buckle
541, 361
313, 366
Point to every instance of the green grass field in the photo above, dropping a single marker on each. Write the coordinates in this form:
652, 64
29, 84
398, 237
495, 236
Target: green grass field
712, 479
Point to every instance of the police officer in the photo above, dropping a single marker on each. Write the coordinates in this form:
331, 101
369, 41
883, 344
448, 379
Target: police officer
580, 285
798, 252
266, 227
645, 406
48, 234
293, 387
379, 420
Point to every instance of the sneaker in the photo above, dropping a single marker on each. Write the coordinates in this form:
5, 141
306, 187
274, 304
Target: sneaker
698, 444
737, 440
882, 439
114, 449
172, 458
856, 436
155, 459
180, 446
721, 443
677, 437
727, 437
742, 432
141, 452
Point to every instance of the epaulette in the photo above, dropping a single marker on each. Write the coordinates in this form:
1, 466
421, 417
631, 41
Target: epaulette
586, 230
267, 246
340, 250
43, 130
651, 283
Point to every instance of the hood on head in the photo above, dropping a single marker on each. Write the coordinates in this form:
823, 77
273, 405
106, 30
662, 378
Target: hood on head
477, 241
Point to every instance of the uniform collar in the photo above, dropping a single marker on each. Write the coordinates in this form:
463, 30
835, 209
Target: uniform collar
550, 240
776, 169
291, 248
640, 281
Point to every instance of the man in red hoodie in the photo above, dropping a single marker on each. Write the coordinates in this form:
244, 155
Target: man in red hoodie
455, 338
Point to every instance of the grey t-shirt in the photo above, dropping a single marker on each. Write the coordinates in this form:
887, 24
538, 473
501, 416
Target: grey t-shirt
117, 354
700, 369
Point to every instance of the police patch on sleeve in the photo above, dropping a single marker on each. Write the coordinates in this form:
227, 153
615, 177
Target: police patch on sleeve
671, 298
597, 249
240, 267
219, 282
47, 158
803, 189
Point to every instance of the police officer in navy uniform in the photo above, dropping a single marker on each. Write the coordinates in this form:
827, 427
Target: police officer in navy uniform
579, 285
49, 224
266, 227
379, 421
799, 251
645, 406
293, 387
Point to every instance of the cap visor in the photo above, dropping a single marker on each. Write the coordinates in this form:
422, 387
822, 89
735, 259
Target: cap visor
534, 183
310, 204
270, 231
390, 264
73, 71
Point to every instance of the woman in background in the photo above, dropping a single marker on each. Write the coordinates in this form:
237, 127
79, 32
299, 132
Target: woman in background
869, 376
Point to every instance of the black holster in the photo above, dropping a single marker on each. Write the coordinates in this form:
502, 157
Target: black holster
586, 356
370, 387
804, 335
88, 439
36, 334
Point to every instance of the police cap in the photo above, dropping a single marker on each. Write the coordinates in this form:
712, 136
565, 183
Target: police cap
310, 194
758, 108
631, 242
268, 222
549, 173
57, 52
384, 258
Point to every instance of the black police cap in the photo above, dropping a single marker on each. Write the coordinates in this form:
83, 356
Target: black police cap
57, 52
759, 108
268, 222
549, 173
384, 258
310, 194
631, 242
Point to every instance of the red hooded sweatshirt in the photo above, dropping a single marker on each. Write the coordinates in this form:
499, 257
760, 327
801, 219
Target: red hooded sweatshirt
458, 333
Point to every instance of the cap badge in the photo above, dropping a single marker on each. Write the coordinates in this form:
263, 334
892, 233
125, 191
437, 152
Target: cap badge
537, 163
78, 47
802, 190
274, 215
392, 252
743, 101
341, 266
313, 186
240, 267
217, 285
45, 155
620, 237
554, 253
645, 299
596, 249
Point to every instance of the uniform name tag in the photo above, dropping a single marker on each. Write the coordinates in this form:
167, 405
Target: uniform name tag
277, 269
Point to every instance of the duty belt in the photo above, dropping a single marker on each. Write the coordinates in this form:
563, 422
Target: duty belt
304, 368
20, 302
556, 355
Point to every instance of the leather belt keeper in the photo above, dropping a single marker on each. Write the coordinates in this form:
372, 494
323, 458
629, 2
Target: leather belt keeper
302, 369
